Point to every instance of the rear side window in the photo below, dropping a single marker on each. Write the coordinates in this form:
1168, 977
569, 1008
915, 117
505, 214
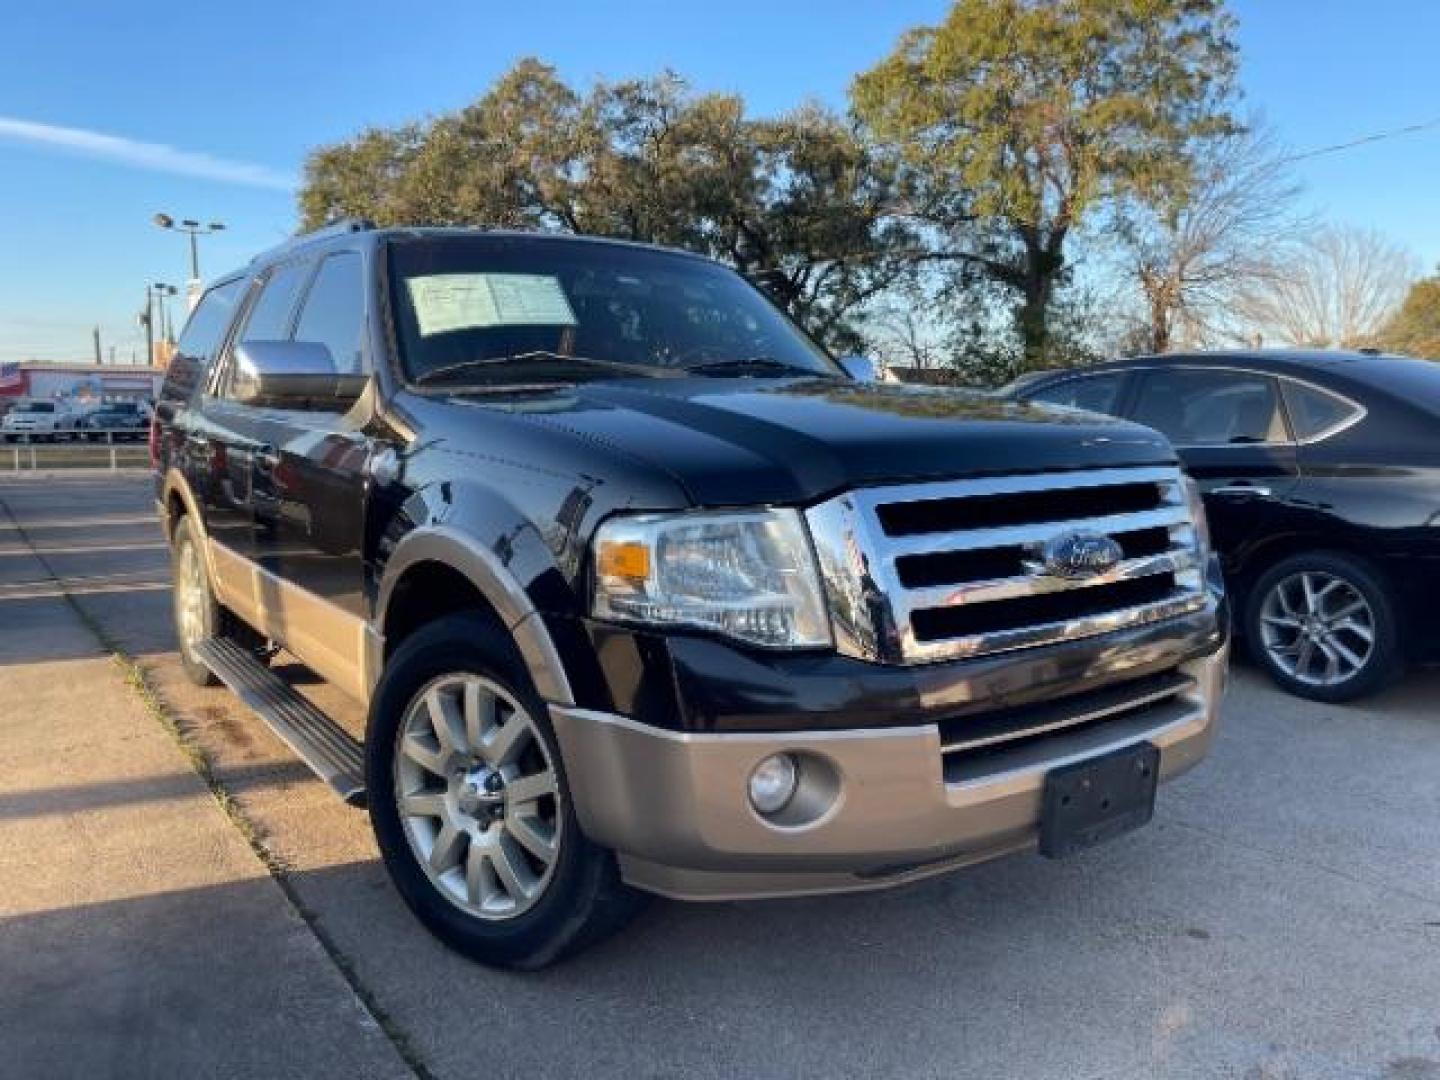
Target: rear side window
334, 311
270, 317
201, 339
1314, 412
1097, 393
1201, 407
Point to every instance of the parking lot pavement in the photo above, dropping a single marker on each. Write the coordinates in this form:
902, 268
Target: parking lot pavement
140, 935
1280, 918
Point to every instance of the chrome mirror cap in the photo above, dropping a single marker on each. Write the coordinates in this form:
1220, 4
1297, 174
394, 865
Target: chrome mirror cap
291, 374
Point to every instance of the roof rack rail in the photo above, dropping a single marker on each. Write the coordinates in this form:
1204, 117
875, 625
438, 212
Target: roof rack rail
338, 227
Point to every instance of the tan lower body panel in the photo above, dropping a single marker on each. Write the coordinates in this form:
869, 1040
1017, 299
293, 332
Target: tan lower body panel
675, 809
326, 638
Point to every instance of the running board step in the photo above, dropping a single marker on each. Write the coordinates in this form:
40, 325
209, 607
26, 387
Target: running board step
321, 743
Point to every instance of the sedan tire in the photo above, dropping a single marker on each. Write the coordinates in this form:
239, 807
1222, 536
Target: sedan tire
1323, 625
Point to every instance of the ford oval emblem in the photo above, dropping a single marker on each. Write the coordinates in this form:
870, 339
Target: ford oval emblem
1078, 555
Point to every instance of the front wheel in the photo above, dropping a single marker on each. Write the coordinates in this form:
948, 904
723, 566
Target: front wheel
1323, 624
470, 805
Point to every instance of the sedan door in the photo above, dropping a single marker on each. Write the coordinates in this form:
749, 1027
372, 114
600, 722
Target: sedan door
1229, 427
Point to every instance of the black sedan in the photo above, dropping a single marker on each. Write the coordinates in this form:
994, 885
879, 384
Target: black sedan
1321, 474
117, 421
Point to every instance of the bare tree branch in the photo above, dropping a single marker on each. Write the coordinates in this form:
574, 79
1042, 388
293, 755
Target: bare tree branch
1338, 291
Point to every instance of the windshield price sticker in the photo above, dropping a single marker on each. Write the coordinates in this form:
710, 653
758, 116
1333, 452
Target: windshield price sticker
448, 302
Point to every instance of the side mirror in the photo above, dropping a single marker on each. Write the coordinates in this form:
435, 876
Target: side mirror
864, 369
291, 375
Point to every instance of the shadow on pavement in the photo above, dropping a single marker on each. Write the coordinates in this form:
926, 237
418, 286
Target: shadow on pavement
81, 798
168, 985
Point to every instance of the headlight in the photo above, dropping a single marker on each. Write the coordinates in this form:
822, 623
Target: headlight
1196, 505
749, 575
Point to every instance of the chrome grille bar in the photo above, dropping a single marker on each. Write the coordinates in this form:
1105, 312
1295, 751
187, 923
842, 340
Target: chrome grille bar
1011, 588
1038, 533
874, 612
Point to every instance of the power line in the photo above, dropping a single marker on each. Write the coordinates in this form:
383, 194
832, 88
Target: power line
1379, 136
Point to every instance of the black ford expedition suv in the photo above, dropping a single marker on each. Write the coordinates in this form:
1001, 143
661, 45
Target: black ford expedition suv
644, 593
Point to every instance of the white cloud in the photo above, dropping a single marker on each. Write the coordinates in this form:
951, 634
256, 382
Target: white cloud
156, 157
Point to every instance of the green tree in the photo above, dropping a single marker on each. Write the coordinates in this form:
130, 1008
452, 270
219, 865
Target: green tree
1415, 328
797, 201
1013, 120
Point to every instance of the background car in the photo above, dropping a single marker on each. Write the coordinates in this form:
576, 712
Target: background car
1321, 474
122, 420
38, 421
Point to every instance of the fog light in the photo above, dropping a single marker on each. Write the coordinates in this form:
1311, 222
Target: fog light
773, 783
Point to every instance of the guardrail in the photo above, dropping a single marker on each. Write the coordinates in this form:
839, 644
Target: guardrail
89, 448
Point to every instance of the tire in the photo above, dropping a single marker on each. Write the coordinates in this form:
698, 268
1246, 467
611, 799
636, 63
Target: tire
1323, 625
212, 620
490, 896
197, 614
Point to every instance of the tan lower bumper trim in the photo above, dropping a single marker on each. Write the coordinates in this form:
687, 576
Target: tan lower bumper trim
674, 805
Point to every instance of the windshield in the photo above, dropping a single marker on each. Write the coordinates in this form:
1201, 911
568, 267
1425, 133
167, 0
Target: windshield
36, 407
571, 308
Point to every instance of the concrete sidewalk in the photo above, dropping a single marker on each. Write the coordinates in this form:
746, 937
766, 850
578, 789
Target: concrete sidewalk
139, 933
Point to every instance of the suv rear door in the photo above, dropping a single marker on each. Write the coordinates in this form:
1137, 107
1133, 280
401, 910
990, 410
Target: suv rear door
1230, 429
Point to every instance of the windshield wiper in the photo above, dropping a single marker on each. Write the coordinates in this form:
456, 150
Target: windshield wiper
751, 363
446, 370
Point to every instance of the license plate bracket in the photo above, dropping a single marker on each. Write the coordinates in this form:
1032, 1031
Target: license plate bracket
1098, 799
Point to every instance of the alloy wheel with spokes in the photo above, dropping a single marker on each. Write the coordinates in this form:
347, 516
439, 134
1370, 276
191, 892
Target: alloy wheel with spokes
191, 598
478, 796
197, 615
1318, 628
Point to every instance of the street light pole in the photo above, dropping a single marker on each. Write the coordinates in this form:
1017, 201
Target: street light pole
195, 230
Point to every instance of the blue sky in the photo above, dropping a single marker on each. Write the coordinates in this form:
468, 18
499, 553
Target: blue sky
239, 92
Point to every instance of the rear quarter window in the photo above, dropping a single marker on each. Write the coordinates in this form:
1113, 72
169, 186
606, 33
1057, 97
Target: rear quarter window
1315, 413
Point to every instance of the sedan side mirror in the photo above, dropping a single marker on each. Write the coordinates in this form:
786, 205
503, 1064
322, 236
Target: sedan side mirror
864, 369
291, 375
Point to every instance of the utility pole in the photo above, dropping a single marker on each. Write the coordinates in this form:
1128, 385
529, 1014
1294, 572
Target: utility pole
98, 360
145, 321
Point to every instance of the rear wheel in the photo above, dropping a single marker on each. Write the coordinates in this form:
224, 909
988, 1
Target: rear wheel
1323, 624
470, 806
197, 615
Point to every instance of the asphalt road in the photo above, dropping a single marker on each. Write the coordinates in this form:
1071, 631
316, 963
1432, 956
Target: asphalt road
1280, 918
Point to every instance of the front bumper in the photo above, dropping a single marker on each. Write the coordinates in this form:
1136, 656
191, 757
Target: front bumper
894, 807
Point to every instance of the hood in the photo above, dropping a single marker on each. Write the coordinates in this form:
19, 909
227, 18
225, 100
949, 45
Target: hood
749, 441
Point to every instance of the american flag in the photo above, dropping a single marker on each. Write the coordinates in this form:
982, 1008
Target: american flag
11, 377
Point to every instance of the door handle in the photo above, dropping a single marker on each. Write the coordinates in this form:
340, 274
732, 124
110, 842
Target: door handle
1245, 491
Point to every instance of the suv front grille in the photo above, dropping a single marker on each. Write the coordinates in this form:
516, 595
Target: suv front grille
941, 571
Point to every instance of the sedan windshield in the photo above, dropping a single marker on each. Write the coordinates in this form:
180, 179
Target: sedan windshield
491, 309
35, 407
